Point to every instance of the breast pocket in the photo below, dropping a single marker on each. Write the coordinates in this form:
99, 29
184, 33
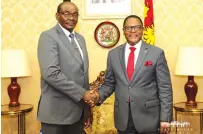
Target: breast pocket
149, 68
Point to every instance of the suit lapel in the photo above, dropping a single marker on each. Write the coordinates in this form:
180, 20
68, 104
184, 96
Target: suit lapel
142, 55
67, 43
122, 60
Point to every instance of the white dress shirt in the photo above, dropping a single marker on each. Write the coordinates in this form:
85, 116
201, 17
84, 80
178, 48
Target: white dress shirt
67, 33
136, 52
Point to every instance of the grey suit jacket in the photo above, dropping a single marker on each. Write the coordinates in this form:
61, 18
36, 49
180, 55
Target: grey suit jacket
150, 89
63, 79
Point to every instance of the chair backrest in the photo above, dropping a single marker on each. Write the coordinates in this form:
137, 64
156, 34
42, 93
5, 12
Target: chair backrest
98, 82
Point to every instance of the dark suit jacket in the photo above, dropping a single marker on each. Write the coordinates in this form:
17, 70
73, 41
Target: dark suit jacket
63, 79
150, 89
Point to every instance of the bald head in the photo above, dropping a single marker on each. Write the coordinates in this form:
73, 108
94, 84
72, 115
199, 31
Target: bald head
66, 3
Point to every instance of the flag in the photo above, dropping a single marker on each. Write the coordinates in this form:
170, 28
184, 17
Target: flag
149, 22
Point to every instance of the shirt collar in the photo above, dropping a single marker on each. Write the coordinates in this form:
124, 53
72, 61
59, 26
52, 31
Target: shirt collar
137, 46
67, 33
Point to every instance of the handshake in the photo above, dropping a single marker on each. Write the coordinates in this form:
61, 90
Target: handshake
91, 97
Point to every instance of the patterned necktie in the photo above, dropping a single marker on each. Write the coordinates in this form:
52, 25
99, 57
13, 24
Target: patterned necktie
77, 52
130, 66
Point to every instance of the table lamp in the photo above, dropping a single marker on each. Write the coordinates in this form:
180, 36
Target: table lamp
190, 63
14, 64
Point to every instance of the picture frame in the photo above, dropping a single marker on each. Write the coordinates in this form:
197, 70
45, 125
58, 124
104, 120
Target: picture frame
107, 34
100, 9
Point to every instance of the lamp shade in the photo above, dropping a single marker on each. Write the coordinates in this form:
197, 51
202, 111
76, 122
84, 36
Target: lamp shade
15, 63
189, 61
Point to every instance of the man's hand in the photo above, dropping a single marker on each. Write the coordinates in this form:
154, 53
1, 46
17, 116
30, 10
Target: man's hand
164, 127
91, 97
93, 103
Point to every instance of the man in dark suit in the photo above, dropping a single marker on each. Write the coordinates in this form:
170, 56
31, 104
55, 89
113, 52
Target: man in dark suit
63, 61
138, 74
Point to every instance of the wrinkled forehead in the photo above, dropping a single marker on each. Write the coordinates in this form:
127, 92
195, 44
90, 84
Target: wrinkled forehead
70, 7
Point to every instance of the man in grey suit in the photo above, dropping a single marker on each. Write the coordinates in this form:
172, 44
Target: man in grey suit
63, 61
138, 74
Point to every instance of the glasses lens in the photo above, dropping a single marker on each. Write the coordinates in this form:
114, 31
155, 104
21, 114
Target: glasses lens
131, 28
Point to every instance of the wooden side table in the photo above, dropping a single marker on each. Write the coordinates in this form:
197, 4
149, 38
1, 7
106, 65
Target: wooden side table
20, 111
182, 108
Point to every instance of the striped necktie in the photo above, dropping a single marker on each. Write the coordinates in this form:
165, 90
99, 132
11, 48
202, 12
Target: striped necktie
77, 52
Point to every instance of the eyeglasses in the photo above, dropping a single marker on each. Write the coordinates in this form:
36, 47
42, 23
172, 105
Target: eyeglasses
131, 28
69, 15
